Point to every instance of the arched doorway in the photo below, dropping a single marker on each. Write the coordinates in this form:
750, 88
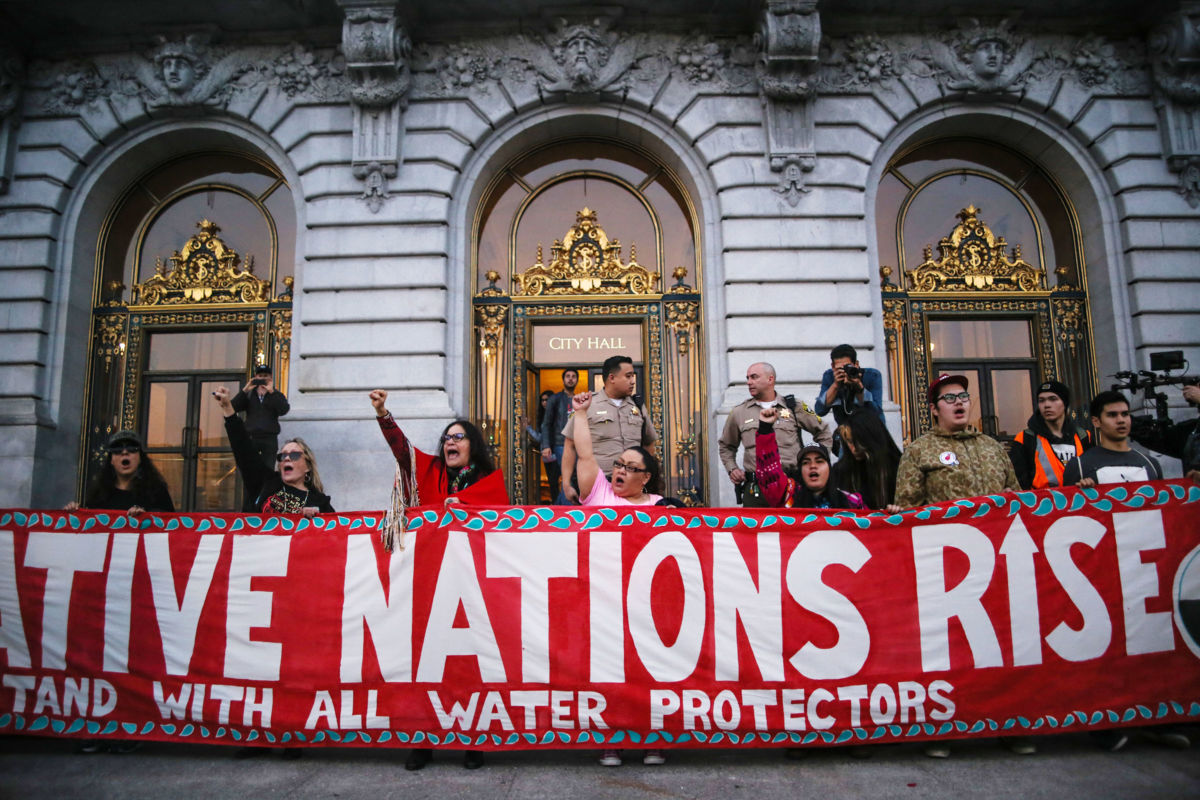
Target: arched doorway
556, 286
191, 290
1003, 302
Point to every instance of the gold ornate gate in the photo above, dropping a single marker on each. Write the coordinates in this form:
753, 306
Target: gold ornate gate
586, 282
974, 278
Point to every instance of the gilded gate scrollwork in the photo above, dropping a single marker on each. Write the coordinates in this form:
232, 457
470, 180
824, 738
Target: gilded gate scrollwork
974, 275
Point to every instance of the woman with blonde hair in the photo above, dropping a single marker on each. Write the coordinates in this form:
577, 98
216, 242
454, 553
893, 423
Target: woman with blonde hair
294, 487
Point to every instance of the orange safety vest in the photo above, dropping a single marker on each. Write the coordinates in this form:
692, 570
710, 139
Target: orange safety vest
1047, 468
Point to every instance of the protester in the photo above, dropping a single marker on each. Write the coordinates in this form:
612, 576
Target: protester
1112, 460
263, 406
617, 420
953, 460
869, 461
1041, 451
462, 472
128, 481
780, 490
295, 488
637, 477
742, 425
557, 410
950, 462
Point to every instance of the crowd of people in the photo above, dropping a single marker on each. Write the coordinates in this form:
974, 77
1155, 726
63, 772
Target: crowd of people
599, 450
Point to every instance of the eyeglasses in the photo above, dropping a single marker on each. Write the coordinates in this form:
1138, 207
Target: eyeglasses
629, 467
290, 455
122, 450
454, 437
951, 397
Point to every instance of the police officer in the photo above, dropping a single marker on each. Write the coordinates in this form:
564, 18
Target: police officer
742, 425
615, 419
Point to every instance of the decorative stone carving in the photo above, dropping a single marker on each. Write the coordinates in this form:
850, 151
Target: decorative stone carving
982, 58
585, 261
184, 73
1175, 64
579, 59
974, 259
12, 80
789, 37
301, 71
377, 59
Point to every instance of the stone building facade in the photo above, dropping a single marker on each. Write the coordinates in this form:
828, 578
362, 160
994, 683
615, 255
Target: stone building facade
789, 171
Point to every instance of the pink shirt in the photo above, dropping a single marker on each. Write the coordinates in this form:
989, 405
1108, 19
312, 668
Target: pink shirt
602, 495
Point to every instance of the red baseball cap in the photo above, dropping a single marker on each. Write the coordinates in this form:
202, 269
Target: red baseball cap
936, 387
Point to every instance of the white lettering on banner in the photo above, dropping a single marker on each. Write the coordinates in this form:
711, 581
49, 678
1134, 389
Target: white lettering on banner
45, 550
567, 710
606, 609
458, 583
346, 717
253, 556
677, 661
178, 619
937, 605
735, 597
1018, 550
74, 694
12, 627
1094, 636
1136, 533
118, 600
806, 565
364, 606
818, 709
533, 559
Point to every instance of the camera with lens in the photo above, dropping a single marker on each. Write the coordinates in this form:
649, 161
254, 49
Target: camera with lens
258, 382
852, 372
1148, 428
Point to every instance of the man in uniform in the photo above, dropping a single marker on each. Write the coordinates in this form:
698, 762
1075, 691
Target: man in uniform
616, 420
953, 460
742, 426
1040, 452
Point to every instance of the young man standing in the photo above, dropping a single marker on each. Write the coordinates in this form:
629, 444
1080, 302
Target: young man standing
846, 386
558, 408
1112, 460
1040, 452
953, 460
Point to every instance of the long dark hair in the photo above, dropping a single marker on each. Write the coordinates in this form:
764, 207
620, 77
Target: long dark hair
146, 486
543, 401
481, 454
654, 481
874, 476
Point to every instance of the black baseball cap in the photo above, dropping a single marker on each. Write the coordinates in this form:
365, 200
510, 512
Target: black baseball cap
262, 369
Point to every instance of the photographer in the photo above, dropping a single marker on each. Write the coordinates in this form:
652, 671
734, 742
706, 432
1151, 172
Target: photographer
1179, 440
263, 407
847, 387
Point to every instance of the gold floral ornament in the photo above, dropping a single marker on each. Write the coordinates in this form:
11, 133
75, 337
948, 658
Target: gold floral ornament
586, 261
974, 259
204, 271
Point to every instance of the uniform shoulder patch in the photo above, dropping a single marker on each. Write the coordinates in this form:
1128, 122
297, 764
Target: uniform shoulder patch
806, 409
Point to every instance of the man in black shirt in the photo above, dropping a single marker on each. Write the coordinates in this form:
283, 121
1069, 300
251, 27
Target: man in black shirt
263, 407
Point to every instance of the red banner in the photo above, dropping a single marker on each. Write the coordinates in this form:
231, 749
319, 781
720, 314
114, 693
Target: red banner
561, 627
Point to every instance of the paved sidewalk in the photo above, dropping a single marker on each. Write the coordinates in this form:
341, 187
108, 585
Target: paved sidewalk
1068, 766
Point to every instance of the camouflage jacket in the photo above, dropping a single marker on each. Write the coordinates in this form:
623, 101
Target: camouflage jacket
948, 466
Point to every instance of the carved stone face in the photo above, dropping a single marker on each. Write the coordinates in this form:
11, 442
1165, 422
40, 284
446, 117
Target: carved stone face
988, 59
179, 74
582, 56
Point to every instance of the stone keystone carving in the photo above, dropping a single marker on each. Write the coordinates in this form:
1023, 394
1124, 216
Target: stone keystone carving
377, 51
12, 79
982, 58
184, 73
1175, 64
789, 38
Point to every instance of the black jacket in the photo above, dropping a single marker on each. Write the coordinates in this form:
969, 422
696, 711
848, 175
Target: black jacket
558, 408
262, 414
1023, 450
260, 482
